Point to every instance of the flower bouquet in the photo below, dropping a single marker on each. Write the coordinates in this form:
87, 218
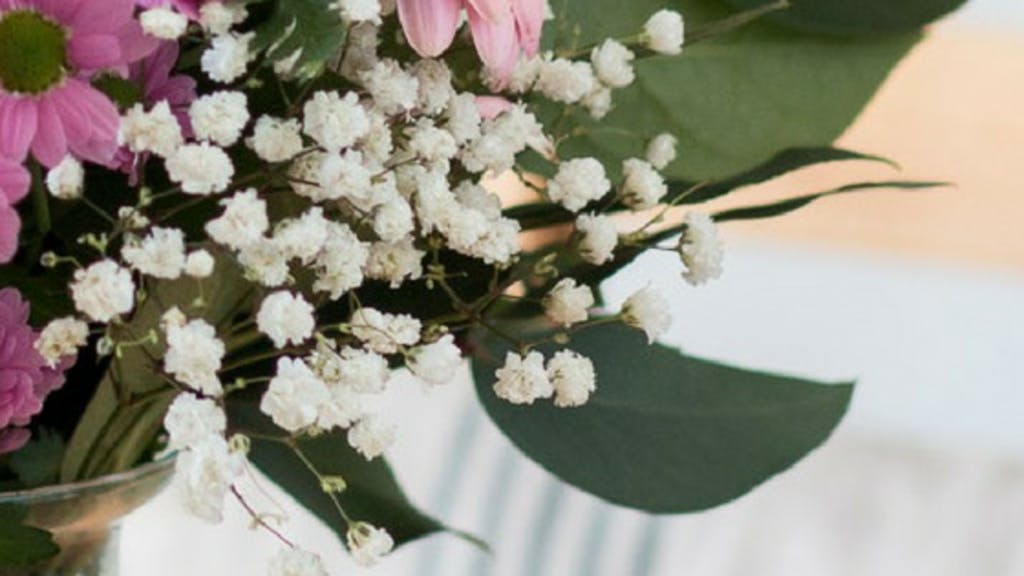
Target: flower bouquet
224, 226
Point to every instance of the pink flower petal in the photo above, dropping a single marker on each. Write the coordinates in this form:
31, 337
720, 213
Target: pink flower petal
429, 26
493, 10
94, 52
14, 181
50, 145
13, 439
497, 43
108, 16
529, 16
17, 126
492, 106
10, 227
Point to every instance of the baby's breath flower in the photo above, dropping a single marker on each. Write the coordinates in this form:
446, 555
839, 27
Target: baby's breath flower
103, 291
701, 249
194, 356
371, 436
644, 187
296, 562
647, 310
275, 140
67, 179
286, 318
220, 117
61, 338
368, 544
664, 31
523, 380
661, 151
191, 420
573, 378
578, 183
201, 169
567, 303
227, 57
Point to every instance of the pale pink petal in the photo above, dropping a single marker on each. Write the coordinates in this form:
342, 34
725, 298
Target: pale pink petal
101, 144
50, 145
10, 227
94, 52
17, 126
93, 17
429, 26
493, 10
492, 106
497, 43
529, 16
135, 44
14, 181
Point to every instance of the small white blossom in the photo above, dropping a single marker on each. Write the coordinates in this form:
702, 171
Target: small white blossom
599, 103
567, 303
67, 179
286, 318
303, 238
371, 437
103, 291
341, 176
368, 544
220, 117
203, 476
661, 151
243, 223
525, 74
435, 86
218, 18
701, 249
201, 169
395, 262
339, 267
228, 56
578, 183
613, 64
464, 118
360, 50
163, 23
432, 143
385, 333
199, 264
275, 140
664, 32
265, 263
598, 238
194, 356
61, 338
436, 363
160, 255
523, 380
296, 562
335, 122
647, 310
565, 80
192, 420
394, 90
360, 10
573, 377
644, 187
295, 396
157, 131
394, 220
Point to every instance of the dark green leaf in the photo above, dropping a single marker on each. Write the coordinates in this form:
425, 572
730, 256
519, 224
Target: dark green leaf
310, 26
20, 545
667, 433
733, 101
373, 495
846, 17
792, 204
38, 463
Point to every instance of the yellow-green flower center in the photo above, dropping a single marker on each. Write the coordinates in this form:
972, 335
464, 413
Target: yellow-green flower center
33, 52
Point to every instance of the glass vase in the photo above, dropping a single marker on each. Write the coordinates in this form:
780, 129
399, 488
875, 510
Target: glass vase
84, 518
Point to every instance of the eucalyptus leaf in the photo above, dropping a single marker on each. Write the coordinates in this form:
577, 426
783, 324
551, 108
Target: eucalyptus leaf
371, 492
665, 432
733, 101
863, 17
22, 546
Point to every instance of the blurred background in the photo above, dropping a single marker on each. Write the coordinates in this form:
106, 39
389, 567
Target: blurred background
919, 296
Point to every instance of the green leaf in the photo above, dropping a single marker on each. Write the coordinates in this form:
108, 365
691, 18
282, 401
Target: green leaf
843, 17
38, 463
309, 26
734, 101
371, 495
664, 432
792, 204
20, 545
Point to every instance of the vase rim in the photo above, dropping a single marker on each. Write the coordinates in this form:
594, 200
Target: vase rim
62, 491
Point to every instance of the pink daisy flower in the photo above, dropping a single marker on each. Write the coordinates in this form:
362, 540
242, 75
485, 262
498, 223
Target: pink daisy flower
25, 379
14, 184
49, 50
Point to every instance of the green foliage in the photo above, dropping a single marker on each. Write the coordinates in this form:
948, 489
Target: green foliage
732, 101
862, 17
371, 492
665, 432
309, 26
38, 463
22, 546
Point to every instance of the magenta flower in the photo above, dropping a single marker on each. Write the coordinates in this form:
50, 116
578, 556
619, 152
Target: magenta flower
49, 51
14, 184
25, 379
502, 29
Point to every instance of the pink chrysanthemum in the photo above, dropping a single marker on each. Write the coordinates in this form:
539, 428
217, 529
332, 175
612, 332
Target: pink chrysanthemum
14, 184
49, 50
25, 379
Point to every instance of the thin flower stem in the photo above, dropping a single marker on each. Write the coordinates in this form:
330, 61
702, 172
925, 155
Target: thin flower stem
258, 519
320, 478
